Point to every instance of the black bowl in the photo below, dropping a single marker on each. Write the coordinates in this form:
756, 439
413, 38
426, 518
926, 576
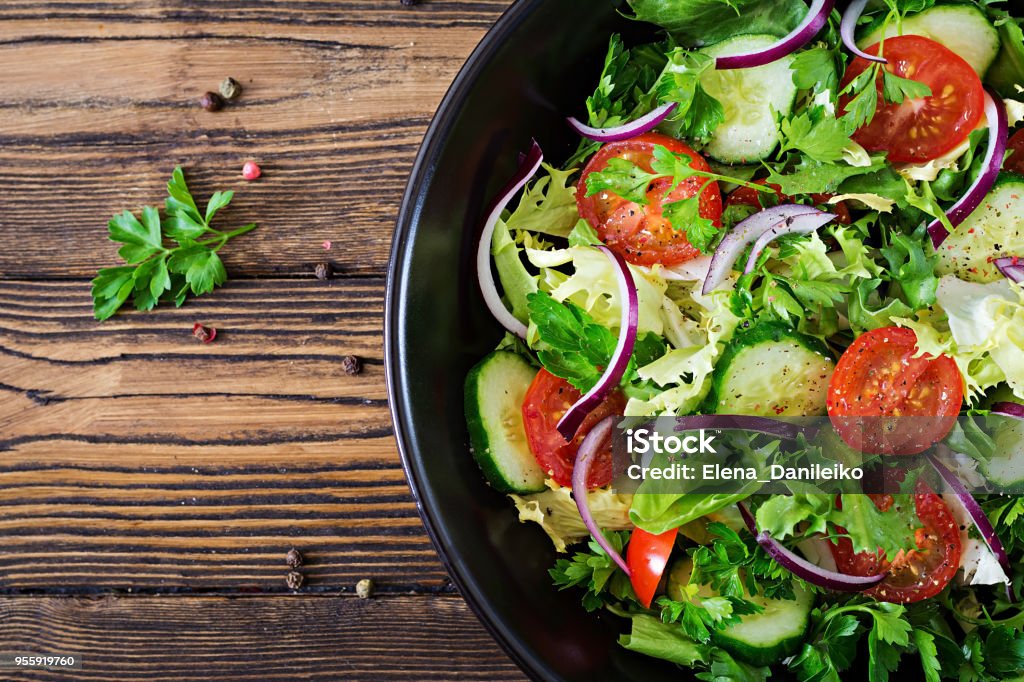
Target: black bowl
536, 65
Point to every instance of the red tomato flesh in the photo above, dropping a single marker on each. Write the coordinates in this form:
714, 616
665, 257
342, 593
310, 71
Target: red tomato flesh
641, 233
546, 401
883, 400
916, 574
647, 556
919, 130
1015, 162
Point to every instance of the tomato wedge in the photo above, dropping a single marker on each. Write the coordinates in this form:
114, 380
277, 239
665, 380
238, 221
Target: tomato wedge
748, 196
883, 400
641, 233
647, 556
1015, 162
547, 399
919, 573
923, 129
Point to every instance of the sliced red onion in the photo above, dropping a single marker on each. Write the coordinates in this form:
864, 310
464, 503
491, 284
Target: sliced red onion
570, 422
971, 506
589, 449
998, 131
847, 27
1012, 268
804, 223
1009, 409
528, 165
817, 17
745, 232
802, 568
766, 425
644, 124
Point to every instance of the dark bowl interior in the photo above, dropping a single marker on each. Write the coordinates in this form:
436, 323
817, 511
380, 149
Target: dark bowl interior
537, 63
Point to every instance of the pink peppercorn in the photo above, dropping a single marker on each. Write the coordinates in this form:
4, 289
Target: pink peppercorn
251, 171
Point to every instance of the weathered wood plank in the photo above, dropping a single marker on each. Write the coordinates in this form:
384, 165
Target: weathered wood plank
134, 457
281, 638
99, 103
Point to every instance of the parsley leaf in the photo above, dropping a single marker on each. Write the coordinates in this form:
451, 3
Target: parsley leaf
812, 177
815, 70
697, 113
685, 215
896, 88
155, 269
815, 133
912, 268
596, 572
624, 178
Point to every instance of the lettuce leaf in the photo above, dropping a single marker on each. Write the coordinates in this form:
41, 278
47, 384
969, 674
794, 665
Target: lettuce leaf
548, 205
981, 326
555, 511
704, 22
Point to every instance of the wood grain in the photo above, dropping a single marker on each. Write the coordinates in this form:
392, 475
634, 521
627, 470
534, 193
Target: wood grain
283, 638
150, 485
99, 103
134, 457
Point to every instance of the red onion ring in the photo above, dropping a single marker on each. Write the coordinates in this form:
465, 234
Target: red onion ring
746, 231
528, 165
570, 422
765, 425
1012, 268
580, 471
817, 17
798, 224
998, 131
847, 27
971, 506
1009, 409
802, 568
644, 124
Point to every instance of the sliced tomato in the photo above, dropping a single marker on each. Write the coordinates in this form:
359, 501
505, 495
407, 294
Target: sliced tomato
923, 129
916, 574
883, 400
641, 233
748, 196
546, 401
1015, 162
647, 556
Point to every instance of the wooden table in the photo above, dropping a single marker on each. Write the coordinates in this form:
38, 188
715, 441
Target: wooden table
150, 485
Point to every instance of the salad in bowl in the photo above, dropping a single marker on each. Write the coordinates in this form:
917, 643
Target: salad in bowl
798, 229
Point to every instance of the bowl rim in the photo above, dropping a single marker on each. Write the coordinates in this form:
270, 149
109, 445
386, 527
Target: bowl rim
420, 177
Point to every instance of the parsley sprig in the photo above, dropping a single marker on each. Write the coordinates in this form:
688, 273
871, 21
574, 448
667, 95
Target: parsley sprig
632, 183
165, 258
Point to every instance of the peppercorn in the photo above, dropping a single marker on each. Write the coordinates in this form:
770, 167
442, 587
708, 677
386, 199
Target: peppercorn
204, 334
294, 580
322, 271
352, 365
230, 88
251, 170
293, 558
211, 101
364, 588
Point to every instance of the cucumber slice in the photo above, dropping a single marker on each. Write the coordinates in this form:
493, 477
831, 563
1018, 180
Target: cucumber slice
771, 370
964, 29
495, 390
760, 638
751, 98
995, 229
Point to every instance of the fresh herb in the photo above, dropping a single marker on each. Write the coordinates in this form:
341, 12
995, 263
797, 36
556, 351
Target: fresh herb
697, 113
700, 616
912, 267
632, 183
596, 572
572, 346
165, 258
816, 134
